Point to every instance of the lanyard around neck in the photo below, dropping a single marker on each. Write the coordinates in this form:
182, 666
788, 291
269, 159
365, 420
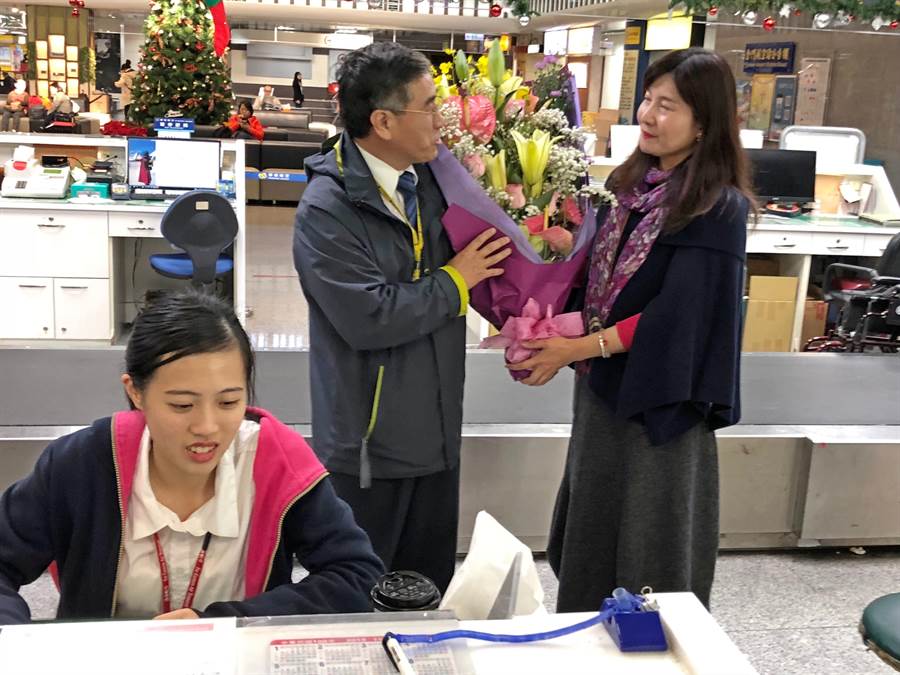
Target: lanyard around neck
417, 232
164, 574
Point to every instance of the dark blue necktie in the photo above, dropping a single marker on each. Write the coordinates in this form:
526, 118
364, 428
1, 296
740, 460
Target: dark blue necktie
406, 186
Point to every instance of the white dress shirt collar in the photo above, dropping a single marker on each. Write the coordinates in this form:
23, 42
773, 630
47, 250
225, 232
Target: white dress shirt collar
219, 515
384, 174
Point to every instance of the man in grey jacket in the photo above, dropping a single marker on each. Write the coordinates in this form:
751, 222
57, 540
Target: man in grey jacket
387, 300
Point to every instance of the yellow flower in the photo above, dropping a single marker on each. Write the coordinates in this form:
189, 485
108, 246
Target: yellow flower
483, 65
442, 89
449, 52
534, 153
509, 85
446, 67
496, 170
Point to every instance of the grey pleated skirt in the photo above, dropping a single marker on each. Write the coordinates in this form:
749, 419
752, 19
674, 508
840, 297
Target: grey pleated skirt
630, 514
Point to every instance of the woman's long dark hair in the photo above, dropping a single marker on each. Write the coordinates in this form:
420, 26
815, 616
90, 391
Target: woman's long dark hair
704, 80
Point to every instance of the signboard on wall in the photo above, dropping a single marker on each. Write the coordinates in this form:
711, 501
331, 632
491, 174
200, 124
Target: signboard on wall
769, 57
783, 105
763, 91
812, 91
629, 85
633, 36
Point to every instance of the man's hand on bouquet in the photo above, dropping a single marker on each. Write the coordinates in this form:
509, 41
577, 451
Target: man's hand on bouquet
551, 355
476, 262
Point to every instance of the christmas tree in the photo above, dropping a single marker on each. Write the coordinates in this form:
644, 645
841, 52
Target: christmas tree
180, 71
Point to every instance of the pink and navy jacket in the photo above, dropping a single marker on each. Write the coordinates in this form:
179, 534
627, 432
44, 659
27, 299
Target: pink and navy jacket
71, 511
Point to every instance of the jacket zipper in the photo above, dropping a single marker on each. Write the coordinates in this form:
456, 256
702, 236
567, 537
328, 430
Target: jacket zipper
365, 466
112, 611
284, 513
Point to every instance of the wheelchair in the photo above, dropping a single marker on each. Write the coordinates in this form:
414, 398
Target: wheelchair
869, 316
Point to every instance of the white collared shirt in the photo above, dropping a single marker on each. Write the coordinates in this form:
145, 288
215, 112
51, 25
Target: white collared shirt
387, 178
226, 516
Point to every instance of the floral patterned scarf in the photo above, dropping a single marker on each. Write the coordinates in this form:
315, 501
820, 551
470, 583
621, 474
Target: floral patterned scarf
608, 276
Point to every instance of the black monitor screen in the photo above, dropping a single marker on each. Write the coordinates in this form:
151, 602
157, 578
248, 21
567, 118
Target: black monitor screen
784, 175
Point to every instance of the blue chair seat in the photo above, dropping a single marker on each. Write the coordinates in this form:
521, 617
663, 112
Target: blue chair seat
179, 265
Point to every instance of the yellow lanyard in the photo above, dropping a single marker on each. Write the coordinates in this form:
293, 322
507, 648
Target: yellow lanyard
418, 237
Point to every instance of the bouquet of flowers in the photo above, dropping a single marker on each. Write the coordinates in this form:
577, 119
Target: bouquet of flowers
512, 160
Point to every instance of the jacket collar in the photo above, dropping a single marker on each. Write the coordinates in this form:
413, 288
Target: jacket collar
285, 469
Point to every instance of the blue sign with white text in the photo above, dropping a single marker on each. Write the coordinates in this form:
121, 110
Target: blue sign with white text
174, 124
769, 57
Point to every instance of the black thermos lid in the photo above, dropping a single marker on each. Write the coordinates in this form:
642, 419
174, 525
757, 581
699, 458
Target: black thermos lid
405, 591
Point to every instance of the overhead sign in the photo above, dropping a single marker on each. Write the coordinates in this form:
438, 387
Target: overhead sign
475, 36
769, 57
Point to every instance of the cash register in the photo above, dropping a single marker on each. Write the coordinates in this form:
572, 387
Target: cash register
24, 176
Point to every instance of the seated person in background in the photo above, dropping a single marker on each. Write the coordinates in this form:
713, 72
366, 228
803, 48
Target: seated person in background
16, 106
127, 507
266, 100
243, 125
60, 105
7, 82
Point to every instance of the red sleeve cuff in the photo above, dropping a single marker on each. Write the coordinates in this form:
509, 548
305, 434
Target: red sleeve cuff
626, 329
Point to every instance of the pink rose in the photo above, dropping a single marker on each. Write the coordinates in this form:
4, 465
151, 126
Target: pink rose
475, 165
535, 224
513, 107
516, 196
571, 211
553, 205
559, 239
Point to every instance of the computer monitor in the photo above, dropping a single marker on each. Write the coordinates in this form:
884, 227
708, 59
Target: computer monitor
173, 164
784, 176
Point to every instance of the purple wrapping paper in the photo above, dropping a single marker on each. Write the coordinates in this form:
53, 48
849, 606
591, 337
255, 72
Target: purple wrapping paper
525, 274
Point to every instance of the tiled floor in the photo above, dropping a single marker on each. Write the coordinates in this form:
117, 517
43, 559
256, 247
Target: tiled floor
791, 612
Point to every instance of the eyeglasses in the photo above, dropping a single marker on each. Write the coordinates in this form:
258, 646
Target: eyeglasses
436, 112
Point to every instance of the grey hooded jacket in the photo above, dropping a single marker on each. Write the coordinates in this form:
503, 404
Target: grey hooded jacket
386, 353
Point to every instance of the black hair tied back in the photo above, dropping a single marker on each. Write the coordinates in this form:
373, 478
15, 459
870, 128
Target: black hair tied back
175, 324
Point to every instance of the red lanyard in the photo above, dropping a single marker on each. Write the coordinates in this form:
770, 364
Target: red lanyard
164, 574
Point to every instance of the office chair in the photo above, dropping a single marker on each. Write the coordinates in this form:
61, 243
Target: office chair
202, 223
880, 628
868, 301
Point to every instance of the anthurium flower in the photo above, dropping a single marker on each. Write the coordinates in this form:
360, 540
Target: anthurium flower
535, 224
496, 170
534, 153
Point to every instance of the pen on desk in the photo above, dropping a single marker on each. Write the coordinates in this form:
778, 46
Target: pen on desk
397, 655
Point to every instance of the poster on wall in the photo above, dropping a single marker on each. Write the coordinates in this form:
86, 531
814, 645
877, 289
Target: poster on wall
812, 91
629, 86
108, 48
783, 105
744, 90
761, 95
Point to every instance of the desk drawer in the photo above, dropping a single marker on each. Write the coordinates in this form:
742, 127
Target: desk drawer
54, 244
768, 241
26, 308
134, 225
838, 244
875, 244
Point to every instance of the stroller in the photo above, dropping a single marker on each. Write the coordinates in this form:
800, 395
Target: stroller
869, 317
